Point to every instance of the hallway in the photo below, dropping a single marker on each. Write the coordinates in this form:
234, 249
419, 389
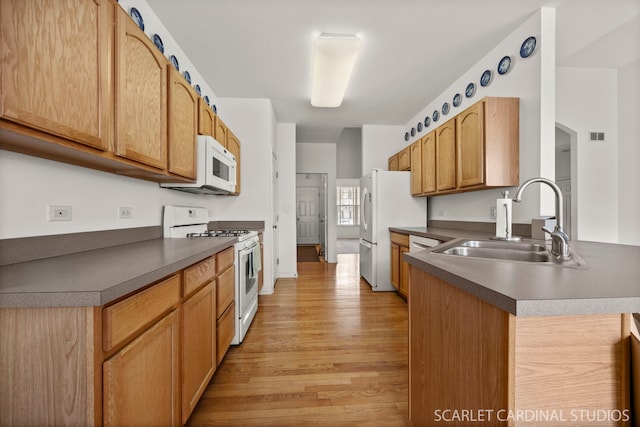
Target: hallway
322, 350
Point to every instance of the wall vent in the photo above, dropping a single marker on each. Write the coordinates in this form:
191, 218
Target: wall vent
596, 136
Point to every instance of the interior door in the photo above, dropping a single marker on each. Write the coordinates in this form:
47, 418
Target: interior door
308, 215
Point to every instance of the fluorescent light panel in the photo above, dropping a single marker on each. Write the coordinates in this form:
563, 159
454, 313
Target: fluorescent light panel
334, 56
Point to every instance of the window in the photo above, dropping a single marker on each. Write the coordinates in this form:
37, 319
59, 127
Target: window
348, 205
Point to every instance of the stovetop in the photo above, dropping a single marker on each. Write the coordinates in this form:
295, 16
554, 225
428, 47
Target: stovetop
241, 234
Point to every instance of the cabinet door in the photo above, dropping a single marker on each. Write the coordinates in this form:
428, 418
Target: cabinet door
428, 168
416, 168
225, 331
198, 346
404, 272
221, 132
395, 265
393, 162
404, 159
55, 68
446, 156
233, 145
206, 119
183, 122
141, 381
470, 137
141, 96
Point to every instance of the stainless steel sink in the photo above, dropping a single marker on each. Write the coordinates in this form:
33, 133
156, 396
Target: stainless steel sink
525, 252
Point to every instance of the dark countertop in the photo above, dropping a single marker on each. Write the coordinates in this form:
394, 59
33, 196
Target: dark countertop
97, 277
610, 284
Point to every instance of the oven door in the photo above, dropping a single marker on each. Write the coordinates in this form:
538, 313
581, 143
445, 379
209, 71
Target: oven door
247, 279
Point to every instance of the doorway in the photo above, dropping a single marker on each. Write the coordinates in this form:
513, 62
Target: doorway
566, 173
311, 210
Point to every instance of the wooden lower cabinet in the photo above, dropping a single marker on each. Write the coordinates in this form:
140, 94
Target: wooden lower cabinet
399, 267
468, 355
226, 329
141, 381
199, 357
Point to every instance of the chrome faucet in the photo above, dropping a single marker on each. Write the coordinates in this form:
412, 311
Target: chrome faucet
559, 239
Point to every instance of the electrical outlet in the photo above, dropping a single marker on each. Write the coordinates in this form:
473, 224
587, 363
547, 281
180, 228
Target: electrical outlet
125, 212
493, 212
442, 212
59, 213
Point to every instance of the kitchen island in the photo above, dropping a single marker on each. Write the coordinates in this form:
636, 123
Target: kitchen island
497, 342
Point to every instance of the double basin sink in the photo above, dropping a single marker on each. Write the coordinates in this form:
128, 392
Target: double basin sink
527, 252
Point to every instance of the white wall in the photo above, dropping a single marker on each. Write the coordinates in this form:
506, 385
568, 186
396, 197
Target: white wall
523, 81
347, 231
349, 154
253, 122
379, 142
321, 158
629, 154
286, 153
587, 101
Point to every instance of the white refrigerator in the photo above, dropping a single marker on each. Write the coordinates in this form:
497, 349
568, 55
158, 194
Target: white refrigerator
385, 201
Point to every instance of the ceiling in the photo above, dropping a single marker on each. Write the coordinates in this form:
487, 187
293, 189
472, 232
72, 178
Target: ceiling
412, 50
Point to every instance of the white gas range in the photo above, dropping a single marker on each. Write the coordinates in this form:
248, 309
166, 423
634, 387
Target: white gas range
192, 222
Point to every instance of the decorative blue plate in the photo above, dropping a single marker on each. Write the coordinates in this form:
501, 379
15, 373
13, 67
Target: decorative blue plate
419, 126
406, 136
206, 99
413, 131
504, 65
187, 76
215, 109
137, 17
158, 42
427, 121
486, 78
528, 46
198, 91
436, 116
470, 90
457, 100
174, 62
445, 108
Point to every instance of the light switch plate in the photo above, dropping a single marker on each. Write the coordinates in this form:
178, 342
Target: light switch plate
59, 213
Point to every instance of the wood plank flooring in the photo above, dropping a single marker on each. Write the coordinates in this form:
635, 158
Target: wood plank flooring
323, 350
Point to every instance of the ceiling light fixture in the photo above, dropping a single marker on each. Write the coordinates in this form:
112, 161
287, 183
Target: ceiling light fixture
334, 56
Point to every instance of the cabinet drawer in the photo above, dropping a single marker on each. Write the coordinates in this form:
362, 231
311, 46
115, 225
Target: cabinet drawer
125, 318
400, 239
226, 290
224, 259
226, 329
199, 274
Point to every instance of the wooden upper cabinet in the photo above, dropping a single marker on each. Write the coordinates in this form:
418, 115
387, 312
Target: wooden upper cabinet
470, 141
501, 142
55, 68
404, 159
393, 162
183, 125
446, 156
221, 132
141, 96
428, 167
416, 168
206, 119
233, 145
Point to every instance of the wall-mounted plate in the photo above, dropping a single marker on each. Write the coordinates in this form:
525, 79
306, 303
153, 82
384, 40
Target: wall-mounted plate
435, 116
187, 76
470, 90
445, 108
419, 126
486, 78
406, 136
174, 62
528, 46
413, 131
457, 100
158, 42
504, 65
427, 121
137, 17
198, 90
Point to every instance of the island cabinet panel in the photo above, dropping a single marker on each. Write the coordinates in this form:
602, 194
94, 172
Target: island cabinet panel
55, 68
46, 363
458, 355
468, 355
141, 96
446, 156
141, 381
198, 346
183, 125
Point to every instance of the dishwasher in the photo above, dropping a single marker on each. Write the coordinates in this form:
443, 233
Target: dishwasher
419, 243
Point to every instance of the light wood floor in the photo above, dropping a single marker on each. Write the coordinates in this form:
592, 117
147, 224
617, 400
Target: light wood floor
323, 350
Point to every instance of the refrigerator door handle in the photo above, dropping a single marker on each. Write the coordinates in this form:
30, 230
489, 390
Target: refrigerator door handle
366, 244
363, 211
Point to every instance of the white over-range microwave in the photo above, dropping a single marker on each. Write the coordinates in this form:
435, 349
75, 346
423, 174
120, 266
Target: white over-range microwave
216, 172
